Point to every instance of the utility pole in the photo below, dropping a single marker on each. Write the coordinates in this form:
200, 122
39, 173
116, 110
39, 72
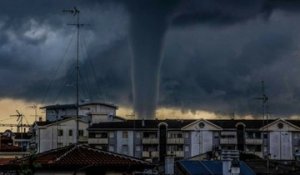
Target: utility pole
76, 12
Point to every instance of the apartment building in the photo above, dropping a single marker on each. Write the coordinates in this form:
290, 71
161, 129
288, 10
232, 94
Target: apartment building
154, 139
93, 111
60, 127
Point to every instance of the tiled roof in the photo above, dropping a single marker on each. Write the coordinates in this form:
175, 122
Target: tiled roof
177, 124
4, 161
73, 106
254, 124
10, 148
141, 124
83, 156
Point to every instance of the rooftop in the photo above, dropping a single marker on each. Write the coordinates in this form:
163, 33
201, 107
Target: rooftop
81, 156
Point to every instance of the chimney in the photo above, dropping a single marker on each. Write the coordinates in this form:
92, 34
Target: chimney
235, 167
229, 157
169, 165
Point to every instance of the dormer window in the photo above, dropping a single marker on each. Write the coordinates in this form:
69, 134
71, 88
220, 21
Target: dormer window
201, 125
280, 125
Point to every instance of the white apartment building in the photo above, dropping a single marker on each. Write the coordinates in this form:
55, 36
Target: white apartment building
152, 139
52, 135
60, 126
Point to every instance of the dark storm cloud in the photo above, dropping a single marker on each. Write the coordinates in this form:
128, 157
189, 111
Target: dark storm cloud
216, 52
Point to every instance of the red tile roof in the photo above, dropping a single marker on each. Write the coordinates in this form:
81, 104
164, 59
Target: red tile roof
79, 156
4, 161
10, 148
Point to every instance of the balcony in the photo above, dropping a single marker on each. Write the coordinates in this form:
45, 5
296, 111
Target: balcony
150, 141
98, 140
83, 139
176, 153
228, 141
151, 154
253, 141
175, 141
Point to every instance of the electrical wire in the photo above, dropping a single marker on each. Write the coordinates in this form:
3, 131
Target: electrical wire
58, 68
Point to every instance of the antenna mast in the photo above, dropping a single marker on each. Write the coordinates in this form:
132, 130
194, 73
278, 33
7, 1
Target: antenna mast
264, 99
76, 12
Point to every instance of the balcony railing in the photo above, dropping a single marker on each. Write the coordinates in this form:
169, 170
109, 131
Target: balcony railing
254, 141
228, 141
98, 140
150, 154
176, 153
83, 139
150, 141
175, 141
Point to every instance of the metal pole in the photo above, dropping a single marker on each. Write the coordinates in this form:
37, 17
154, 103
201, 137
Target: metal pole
77, 81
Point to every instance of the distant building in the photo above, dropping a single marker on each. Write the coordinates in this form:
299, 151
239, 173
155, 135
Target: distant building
51, 135
14, 144
153, 139
94, 112
59, 129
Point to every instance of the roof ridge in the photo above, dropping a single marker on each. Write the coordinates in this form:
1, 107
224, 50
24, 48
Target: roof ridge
66, 153
115, 154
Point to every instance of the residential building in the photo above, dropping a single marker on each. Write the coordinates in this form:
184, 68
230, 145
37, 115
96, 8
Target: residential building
14, 144
59, 129
153, 139
51, 135
94, 112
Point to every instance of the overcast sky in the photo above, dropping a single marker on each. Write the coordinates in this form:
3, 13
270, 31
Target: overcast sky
214, 53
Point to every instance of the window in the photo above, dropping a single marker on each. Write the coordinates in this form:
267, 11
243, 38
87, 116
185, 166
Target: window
70, 132
60, 132
125, 134
101, 135
80, 132
186, 148
138, 135
138, 148
186, 135
111, 148
125, 149
265, 135
111, 135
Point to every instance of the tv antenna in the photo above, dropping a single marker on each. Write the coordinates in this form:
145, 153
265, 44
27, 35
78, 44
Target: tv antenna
76, 12
20, 118
264, 99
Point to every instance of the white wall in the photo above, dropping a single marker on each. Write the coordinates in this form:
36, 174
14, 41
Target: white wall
280, 144
201, 142
48, 138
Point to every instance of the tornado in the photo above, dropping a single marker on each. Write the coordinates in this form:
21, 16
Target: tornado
148, 24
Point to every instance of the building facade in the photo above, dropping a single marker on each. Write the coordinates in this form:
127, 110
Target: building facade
60, 127
153, 139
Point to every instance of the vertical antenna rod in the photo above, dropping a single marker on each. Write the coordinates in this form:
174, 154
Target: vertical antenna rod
76, 12
264, 98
